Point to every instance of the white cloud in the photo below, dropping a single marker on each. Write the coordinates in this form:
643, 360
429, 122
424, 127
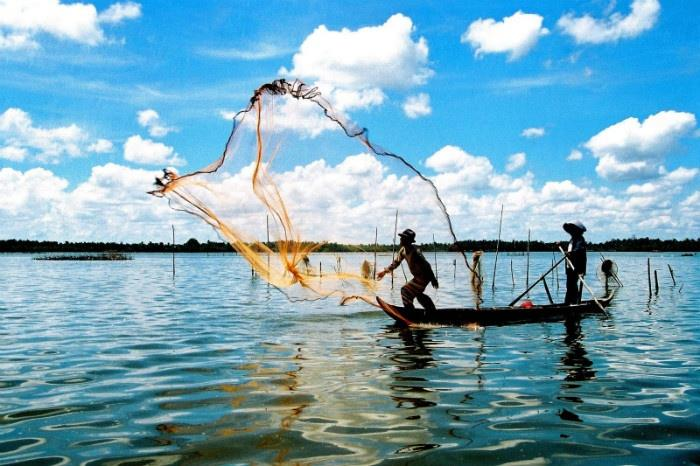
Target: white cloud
353, 68
150, 120
22, 20
19, 137
416, 106
632, 149
254, 52
575, 154
373, 56
516, 161
588, 30
101, 146
118, 12
111, 205
148, 152
515, 35
533, 133
329, 201
13, 154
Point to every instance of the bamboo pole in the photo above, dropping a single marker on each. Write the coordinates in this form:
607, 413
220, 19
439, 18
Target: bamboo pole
527, 270
435, 256
649, 275
535, 283
498, 243
374, 269
512, 275
393, 245
267, 228
672, 277
173, 250
556, 271
583, 282
656, 282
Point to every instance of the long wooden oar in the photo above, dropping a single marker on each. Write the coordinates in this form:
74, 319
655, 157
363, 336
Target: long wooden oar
580, 277
537, 281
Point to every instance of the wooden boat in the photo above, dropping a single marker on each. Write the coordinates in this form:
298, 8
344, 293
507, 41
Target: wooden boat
493, 316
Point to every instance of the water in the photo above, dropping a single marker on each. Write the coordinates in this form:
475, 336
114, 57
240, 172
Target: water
119, 363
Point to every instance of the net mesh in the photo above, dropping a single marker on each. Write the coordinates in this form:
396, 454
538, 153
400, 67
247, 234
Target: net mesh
285, 185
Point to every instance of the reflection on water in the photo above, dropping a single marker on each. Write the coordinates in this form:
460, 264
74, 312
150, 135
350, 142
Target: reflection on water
113, 364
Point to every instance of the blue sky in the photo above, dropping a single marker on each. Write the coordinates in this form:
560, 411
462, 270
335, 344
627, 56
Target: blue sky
563, 110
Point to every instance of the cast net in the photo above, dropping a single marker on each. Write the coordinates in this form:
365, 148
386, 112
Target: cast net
296, 175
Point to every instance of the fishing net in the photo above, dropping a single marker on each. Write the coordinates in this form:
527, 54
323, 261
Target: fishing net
294, 175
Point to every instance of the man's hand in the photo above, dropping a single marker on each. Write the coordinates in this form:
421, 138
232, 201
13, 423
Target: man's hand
381, 274
435, 283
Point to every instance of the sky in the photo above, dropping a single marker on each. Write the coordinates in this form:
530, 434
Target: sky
558, 111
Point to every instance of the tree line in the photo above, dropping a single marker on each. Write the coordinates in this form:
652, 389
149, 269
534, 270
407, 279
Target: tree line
193, 245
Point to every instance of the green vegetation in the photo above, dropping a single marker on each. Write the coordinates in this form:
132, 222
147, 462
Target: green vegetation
192, 245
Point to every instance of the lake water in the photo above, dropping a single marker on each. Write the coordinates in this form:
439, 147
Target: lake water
120, 363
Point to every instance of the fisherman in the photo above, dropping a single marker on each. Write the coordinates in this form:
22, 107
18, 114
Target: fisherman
576, 252
420, 269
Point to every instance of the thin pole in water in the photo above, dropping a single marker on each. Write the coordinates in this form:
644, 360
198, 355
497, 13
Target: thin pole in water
267, 228
512, 275
498, 243
173, 250
435, 256
672, 277
649, 275
393, 245
527, 270
656, 282
374, 269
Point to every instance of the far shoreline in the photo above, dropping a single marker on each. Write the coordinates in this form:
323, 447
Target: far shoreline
194, 246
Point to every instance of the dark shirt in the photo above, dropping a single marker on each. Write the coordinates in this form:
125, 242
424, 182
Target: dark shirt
577, 255
417, 263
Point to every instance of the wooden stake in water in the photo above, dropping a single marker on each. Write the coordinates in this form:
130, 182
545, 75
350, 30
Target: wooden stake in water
498, 243
672, 277
173, 250
527, 269
649, 275
435, 256
374, 269
656, 282
393, 245
512, 275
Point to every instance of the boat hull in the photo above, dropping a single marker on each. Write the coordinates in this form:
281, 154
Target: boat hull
492, 316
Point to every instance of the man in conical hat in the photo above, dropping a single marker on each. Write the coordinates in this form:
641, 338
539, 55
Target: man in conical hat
576, 252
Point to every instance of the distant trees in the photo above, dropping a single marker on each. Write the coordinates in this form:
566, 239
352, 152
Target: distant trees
193, 245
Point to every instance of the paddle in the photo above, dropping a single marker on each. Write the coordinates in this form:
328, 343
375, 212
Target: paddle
580, 277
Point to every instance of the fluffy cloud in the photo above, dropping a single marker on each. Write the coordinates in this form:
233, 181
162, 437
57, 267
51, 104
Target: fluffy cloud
588, 30
21, 21
334, 201
532, 133
353, 68
515, 35
516, 161
111, 205
101, 146
374, 56
118, 12
632, 149
575, 154
416, 106
19, 137
148, 152
150, 120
